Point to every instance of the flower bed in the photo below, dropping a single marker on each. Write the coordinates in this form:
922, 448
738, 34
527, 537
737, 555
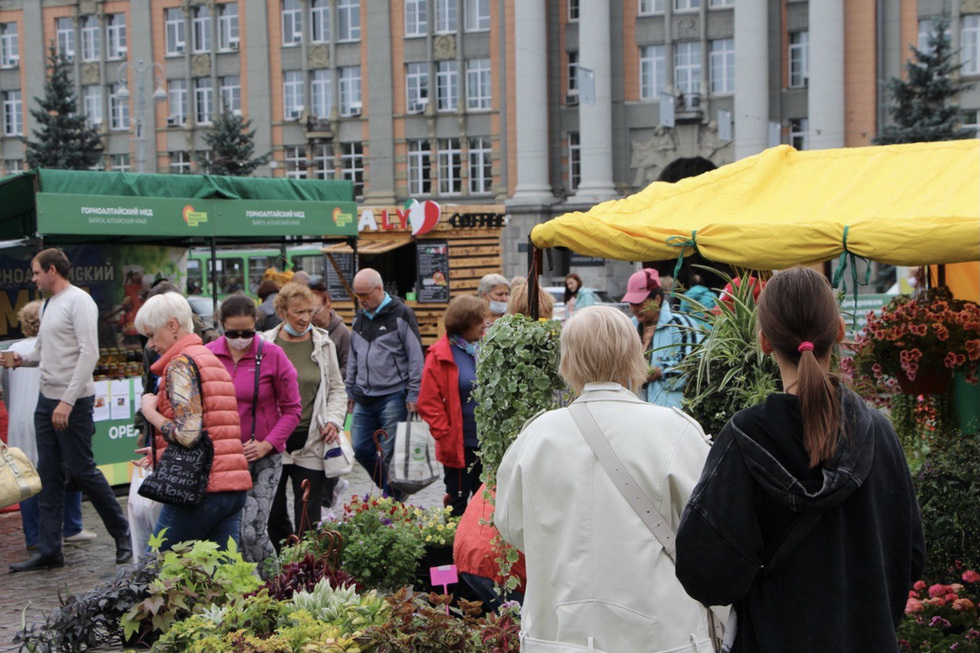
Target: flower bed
942, 617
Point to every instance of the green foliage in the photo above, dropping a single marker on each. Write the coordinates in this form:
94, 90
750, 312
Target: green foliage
379, 554
921, 109
63, 140
231, 143
342, 607
727, 370
948, 490
942, 617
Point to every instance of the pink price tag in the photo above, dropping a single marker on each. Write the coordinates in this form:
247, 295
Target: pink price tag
443, 575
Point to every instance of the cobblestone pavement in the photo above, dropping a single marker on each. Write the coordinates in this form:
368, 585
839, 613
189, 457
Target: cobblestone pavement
36, 593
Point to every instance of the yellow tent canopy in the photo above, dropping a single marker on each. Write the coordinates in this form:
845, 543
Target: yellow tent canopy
911, 204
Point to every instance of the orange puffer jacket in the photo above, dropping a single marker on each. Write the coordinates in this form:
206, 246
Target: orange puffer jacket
229, 472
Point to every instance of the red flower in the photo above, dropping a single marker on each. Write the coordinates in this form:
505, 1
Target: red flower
970, 576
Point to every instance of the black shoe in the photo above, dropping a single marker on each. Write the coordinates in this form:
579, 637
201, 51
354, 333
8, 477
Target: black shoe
39, 561
124, 549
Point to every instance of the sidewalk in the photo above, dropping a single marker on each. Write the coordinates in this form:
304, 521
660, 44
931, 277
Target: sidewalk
88, 565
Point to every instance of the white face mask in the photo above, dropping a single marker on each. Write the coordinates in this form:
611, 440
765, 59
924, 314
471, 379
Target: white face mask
240, 344
498, 308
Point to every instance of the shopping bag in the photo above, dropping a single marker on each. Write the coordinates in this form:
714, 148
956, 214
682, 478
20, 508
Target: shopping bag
19, 479
413, 465
143, 513
338, 459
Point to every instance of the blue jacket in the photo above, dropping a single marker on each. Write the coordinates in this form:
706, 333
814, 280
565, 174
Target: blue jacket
385, 353
673, 339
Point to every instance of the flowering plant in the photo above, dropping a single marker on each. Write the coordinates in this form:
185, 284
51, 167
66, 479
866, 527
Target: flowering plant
942, 617
433, 526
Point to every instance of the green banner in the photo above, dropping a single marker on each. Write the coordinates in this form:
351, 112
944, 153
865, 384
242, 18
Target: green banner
285, 217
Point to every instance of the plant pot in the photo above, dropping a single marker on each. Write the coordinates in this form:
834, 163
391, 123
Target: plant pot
926, 382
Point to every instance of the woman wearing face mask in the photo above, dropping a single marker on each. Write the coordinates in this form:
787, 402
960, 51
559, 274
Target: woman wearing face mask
324, 404
269, 412
495, 290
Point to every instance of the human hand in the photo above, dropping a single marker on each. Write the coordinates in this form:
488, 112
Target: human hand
412, 406
255, 450
11, 359
350, 405
329, 433
145, 461
59, 418
148, 403
655, 374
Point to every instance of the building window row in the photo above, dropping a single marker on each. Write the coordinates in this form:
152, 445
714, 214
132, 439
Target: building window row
478, 94
348, 21
322, 93
651, 7
203, 30
449, 166
13, 114
9, 46
687, 68
476, 17
91, 31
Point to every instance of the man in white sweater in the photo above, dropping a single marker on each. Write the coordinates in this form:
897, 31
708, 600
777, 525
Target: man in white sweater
67, 350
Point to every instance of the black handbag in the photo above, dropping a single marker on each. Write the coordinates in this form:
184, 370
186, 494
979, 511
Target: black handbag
181, 476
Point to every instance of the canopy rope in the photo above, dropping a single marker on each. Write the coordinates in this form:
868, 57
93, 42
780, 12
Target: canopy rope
842, 264
683, 243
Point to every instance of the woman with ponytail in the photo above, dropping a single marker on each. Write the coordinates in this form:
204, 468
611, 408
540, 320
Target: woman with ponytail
805, 518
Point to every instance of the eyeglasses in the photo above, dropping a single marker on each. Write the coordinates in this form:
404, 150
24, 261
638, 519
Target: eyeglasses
245, 333
364, 295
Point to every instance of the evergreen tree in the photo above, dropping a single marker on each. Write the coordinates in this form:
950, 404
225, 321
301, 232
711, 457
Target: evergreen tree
63, 140
922, 109
232, 145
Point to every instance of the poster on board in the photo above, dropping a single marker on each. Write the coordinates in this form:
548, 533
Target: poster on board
433, 266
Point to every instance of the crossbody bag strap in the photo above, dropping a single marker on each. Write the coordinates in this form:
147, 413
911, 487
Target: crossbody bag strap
255, 395
774, 556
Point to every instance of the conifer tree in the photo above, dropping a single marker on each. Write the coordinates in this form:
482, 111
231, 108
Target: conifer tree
62, 138
232, 146
922, 109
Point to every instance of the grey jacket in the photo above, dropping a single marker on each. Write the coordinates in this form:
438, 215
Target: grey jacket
385, 354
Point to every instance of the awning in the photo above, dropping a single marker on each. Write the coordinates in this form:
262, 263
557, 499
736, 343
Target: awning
370, 245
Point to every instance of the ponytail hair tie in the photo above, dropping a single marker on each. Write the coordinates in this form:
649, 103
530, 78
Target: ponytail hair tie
805, 346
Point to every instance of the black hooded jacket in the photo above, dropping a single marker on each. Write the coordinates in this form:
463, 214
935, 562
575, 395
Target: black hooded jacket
844, 588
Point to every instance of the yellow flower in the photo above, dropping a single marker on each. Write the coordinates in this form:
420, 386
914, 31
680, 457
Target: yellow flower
428, 538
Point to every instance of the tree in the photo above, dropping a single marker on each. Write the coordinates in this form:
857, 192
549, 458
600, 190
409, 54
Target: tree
922, 109
232, 145
63, 139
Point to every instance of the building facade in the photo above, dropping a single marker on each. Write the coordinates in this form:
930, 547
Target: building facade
548, 106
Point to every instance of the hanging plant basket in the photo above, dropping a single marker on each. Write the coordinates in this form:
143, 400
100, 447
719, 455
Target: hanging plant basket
926, 382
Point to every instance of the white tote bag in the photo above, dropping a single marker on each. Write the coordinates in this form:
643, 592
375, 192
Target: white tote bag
338, 457
143, 513
413, 465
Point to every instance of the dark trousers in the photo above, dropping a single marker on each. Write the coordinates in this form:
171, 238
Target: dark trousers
280, 526
70, 450
463, 482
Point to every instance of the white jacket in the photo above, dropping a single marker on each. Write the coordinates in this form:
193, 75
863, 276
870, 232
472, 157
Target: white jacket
330, 405
597, 578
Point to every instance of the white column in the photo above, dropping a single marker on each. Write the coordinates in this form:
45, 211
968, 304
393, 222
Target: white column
825, 97
752, 77
531, 97
595, 120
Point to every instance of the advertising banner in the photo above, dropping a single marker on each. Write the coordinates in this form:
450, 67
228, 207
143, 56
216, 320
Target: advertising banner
279, 218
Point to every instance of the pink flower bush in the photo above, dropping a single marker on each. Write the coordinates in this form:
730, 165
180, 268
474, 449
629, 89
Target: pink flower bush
941, 617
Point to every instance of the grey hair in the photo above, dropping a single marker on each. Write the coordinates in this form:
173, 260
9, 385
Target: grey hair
600, 344
157, 310
491, 281
371, 276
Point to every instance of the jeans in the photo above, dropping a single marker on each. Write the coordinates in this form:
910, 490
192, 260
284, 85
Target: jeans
217, 519
30, 517
70, 450
383, 413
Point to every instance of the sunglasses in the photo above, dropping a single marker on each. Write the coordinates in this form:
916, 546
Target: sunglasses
246, 333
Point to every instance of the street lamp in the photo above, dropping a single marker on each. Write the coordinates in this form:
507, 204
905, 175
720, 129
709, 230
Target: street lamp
140, 70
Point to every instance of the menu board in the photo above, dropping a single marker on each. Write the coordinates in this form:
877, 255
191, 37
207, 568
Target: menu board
348, 265
433, 267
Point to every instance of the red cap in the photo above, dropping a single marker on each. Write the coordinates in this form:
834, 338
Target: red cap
640, 284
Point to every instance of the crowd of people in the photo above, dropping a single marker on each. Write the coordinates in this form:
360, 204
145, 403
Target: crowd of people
800, 516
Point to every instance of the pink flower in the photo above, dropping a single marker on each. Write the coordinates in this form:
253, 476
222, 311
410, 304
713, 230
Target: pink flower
970, 576
921, 584
913, 605
962, 604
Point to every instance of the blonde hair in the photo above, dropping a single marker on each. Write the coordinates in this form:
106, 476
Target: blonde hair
600, 344
289, 292
157, 310
519, 304
29, 317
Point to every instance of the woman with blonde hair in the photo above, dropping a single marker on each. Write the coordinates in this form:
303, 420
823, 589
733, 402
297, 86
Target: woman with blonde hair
519, 304
598, 579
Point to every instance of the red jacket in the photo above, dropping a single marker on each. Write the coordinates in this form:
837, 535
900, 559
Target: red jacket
473, 551
440, 405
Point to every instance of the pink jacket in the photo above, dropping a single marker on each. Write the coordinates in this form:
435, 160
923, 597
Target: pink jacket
278, 411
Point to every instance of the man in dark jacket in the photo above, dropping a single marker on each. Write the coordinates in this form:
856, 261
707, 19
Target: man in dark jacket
384, 372
327, 319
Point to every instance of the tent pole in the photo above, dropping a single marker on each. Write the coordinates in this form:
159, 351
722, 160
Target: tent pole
214, 282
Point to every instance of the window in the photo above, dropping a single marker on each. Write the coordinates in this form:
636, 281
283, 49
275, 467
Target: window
9, 46
450, 167
118, 108
478, 95
203, 100
416, 87
722, 3
228, 26
419, 168
120, 162
320, 21
348, 20
687, 5
180, 163
653, 71
970, 45
176, 31
573, 10
350, 91
292, 22
13, 114
65, 35
352, 160
416, 17
115, 36
574, 161
296, 162
323, 162
687, 68
178, 101
971, 120
321, 88
651, 7
92, 105
201, 28
799, 133
446, 19
292, 87
231, 94
447, 85
799, 59
90, 39
12, 166
573, 73
481, 171
723, 66
477, 15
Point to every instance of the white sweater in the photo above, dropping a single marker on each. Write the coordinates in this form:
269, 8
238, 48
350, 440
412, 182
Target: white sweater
67, 347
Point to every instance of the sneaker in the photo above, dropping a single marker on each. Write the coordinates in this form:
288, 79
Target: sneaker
81, 537
339, 490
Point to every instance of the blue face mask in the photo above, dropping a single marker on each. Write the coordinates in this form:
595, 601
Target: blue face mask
293, 332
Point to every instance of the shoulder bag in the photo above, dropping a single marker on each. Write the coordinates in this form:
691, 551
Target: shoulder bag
19, 479
413, 463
